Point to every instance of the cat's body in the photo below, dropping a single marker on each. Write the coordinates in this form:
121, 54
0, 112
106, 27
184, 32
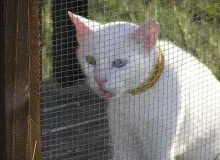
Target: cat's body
177, 118
179, 115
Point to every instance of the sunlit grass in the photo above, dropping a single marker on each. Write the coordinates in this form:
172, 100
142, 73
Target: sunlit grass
46, 38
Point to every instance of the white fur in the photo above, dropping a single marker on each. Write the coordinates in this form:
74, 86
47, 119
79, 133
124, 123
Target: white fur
177, 118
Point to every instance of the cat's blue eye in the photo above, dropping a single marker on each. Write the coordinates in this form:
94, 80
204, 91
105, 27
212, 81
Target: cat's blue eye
119, 63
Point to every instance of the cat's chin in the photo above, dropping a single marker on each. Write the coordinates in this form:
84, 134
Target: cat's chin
104, 93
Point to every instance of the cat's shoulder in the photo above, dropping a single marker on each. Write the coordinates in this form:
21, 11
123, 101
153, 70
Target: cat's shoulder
185, 64
170, 47
172, 51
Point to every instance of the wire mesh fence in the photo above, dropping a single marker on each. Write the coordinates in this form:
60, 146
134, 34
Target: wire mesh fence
120, 90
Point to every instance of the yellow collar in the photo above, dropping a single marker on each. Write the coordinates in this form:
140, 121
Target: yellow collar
152, 80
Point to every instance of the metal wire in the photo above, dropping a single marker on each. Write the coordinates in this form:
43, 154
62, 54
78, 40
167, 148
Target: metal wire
79, 124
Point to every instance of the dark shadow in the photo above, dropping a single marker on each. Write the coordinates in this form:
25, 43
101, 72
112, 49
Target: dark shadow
66, 68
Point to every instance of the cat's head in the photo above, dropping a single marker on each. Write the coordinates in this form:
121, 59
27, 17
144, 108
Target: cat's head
116, 56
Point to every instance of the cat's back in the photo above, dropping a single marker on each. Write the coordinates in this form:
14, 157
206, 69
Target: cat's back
199, 90
190, 71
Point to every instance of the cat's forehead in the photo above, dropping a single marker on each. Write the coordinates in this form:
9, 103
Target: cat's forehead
112, 40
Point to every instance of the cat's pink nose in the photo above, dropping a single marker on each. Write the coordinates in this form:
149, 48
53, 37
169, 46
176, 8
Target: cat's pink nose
101, 81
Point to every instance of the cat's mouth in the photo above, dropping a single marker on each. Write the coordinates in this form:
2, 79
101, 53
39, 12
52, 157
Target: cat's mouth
104, 93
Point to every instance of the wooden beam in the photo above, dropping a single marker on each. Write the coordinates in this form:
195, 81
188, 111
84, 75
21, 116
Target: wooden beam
3, 151
22, 79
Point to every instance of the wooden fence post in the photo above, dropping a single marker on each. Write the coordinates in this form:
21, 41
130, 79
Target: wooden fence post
22, 79
3, 151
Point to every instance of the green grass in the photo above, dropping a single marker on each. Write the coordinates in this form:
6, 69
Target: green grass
191, 24
46, 32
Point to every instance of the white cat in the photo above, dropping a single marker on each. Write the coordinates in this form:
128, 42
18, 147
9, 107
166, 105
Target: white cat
176, 117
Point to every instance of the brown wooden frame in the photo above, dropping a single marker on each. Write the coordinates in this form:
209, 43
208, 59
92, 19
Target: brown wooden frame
3, 151
22, 79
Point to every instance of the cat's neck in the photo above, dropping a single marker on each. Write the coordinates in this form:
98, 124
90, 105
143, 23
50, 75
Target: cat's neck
153, 78
154, 56
148, 69
148, 74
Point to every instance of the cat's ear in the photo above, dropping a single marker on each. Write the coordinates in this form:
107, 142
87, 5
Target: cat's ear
147, 33
83, 26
